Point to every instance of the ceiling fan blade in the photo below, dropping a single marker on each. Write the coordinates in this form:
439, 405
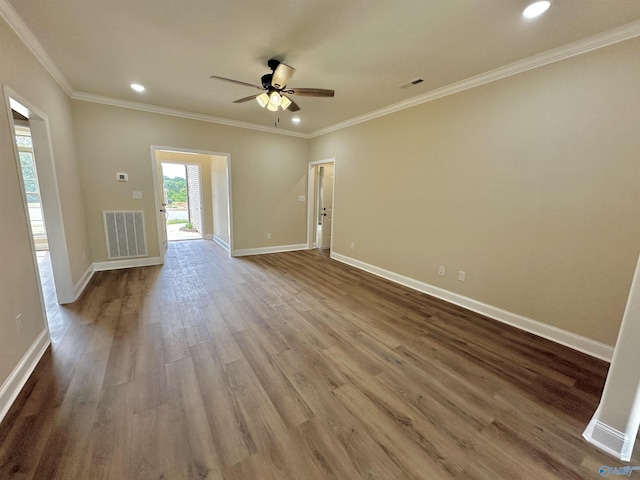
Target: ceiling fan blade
246, 99
311, 92
238, 82
293, 107
281, 75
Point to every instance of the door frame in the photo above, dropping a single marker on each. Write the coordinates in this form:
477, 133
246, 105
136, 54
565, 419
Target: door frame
158, 198
49, 195
312, 208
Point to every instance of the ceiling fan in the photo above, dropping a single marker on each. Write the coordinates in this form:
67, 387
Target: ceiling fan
274, 85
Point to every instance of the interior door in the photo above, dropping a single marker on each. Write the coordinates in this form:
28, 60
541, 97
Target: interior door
326, 203
162, 207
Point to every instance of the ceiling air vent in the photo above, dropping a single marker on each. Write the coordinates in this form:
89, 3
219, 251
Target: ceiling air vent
412, 83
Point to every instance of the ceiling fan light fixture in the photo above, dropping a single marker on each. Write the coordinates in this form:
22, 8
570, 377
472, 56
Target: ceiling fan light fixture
284, 102
263, 99
275, 99
271, 107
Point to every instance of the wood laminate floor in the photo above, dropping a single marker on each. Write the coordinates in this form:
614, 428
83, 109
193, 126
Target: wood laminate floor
293, 366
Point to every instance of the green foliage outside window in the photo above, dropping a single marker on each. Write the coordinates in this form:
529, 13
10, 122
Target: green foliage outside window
176, 189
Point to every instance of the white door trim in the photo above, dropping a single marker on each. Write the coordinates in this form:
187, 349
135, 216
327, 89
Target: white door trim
311, 195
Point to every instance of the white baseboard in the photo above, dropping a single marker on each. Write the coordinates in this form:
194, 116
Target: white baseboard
569, 339
607, 438
221, 242
263, 250
126, 263
79, 287
19, 376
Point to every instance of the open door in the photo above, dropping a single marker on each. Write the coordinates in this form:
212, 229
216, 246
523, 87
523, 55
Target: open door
325, 202
321, 179
161, 201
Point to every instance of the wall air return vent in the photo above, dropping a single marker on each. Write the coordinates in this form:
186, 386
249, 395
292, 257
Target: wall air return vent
124, 233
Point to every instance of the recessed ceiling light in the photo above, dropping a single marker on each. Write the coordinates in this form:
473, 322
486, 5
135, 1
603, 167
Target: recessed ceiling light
536, 8
137, 87
295, 120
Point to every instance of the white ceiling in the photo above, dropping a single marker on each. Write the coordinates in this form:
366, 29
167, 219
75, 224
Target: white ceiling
363, 49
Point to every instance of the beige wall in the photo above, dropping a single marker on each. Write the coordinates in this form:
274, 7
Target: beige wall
205, 184
268, 172
20, 71
530, 184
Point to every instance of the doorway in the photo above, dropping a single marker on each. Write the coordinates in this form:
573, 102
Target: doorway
183, 201
200, 198
320, 215
41, 200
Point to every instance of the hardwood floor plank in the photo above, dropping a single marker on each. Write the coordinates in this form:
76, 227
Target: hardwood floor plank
28, 424
255, 466
110, 448
65, 454
330, 458
416, 460
122, 359
226, 420
367, 456
105, 327
151, 454
194, 324
226, 347
194, 453
173, 334
149, 351
286, 400
287, 457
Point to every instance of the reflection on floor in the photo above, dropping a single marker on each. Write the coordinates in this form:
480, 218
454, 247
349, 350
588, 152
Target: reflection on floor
57, 315
174, 233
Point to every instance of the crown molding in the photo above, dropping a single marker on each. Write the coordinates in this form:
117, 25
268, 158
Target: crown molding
145, 107
617, 35
29, 39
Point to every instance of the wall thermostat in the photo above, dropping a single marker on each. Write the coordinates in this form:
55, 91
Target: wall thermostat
122, 177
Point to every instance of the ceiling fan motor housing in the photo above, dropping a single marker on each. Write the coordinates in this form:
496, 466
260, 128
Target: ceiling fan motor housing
266, 80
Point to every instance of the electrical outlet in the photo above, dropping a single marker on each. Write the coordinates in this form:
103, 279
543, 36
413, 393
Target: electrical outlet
19, 323
353, 245
441, 271
462, 276
301, 198
137, 195
268, 236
